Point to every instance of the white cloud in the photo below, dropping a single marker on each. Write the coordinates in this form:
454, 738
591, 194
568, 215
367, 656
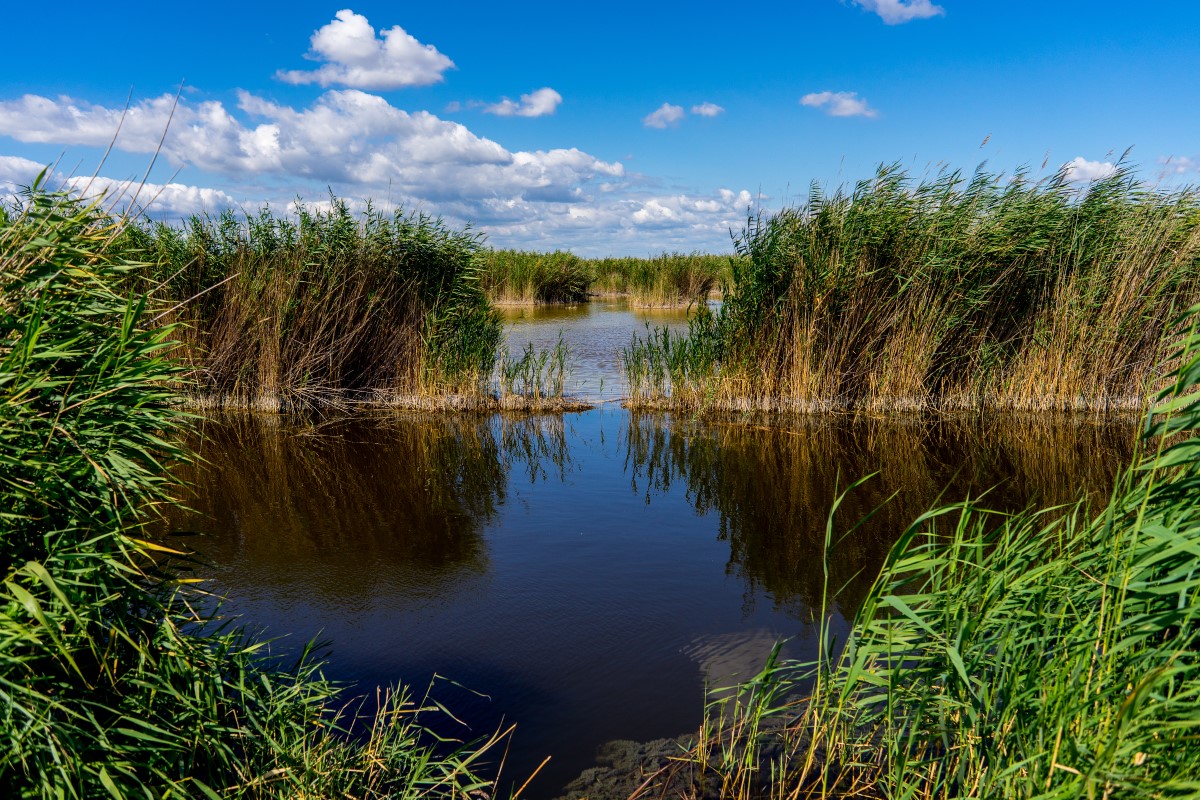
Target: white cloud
362, 147
16, 173
896, 12
538, 103
1178, 165
345, 137
157, 198
355, 57
707, 110
839, 104
664, 115
1080, 170
19, 171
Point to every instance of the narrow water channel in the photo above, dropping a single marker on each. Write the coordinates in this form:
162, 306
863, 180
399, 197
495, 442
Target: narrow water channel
585, 576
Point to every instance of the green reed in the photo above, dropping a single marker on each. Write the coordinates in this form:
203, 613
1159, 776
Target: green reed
520, 277
1042, 654
951, 292
662, 281
534, 374
113, 684
323, 306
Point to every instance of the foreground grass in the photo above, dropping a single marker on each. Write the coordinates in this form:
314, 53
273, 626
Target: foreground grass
669, 280
113, 684
987, 292
1045, 654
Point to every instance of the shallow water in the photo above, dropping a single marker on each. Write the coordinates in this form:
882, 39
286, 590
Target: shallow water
588, 573
594, 333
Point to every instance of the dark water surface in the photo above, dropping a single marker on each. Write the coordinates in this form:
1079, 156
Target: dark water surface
589, 573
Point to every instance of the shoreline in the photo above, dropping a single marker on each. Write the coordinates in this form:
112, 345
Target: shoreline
447, 403
681, 304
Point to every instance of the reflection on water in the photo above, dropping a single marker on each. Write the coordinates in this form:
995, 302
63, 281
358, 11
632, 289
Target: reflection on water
398, 503
762, 481
594, 332
587, 572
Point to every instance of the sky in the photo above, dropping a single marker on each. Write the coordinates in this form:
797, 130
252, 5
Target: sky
607, 129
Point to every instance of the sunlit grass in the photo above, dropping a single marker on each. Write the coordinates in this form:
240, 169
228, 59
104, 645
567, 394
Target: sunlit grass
982, 292
114, 684
1047, 653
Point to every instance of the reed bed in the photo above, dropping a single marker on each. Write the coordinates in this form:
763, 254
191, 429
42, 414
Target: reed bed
113, 683
323, 307
948, 293
1046, 653
516, 277
670, 280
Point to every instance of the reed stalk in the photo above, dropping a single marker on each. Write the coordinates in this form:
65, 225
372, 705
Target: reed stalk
950, 293
114, 683
1046, 653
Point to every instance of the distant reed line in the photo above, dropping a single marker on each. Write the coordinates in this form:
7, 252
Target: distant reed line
516, 277
954, 292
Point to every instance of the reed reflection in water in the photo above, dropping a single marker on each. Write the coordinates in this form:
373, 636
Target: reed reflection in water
400, 502
588, 572
771, 486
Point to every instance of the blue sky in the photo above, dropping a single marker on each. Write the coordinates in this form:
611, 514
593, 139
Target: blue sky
616, 128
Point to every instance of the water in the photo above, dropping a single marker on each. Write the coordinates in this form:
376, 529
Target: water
584, 576
595, 333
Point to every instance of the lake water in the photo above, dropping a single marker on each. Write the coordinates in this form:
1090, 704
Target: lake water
585, 576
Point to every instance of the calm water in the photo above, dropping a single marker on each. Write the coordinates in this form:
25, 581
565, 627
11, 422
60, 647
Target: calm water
594, 332
588, 573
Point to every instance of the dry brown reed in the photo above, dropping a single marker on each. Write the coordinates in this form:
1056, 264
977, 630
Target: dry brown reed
324, 308
953, 293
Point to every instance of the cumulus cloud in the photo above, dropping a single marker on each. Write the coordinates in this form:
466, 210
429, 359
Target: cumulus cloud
15, 173
694, 211
1178, 165
664, 115
897, 12
1080, 170
362, 147
354, 56
345, 137
707, 110
19, 171
839, 104
538, 103
158, 198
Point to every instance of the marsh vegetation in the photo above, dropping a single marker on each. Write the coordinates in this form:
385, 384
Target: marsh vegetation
114, 683
1049, 652
669, 280
1008, 607
954, 292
